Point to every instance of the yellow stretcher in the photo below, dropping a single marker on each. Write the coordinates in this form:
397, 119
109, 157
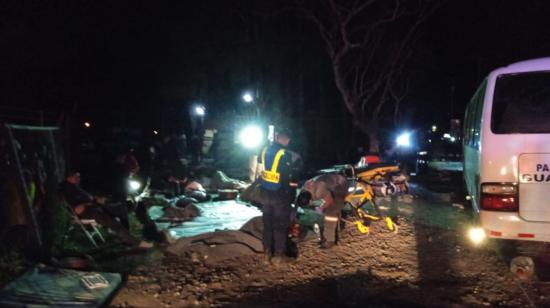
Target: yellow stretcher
363, 190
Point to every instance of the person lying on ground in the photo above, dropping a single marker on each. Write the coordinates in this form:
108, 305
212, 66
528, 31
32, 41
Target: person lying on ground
87, 206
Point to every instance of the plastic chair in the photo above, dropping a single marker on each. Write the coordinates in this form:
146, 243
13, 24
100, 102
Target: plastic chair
88, 226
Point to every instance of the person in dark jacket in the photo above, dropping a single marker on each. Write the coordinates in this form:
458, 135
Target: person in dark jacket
275, 196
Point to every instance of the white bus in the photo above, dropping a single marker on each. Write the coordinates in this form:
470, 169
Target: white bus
507, 151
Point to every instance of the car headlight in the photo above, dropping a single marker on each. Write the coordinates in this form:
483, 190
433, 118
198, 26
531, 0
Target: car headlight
404, 140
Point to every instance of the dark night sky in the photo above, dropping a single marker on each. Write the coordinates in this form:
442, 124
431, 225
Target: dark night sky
106, 58
471, 38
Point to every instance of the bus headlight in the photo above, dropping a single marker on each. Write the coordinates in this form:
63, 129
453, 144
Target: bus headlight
476, 235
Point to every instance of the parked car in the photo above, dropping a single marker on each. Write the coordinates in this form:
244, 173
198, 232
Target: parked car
439, 166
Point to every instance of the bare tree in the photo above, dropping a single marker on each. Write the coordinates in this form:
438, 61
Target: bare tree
369, 44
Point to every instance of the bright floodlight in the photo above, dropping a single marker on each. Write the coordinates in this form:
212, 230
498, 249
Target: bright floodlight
251, 137
199, 110
87, 124
476, 235
134, 185
404, 140
247, 97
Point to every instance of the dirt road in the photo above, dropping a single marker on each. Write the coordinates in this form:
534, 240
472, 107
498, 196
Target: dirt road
427, 263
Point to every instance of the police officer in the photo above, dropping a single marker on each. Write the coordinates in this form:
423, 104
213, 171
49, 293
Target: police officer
332, 190
275, 197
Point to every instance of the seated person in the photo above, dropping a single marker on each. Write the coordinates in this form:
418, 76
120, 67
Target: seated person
87, 206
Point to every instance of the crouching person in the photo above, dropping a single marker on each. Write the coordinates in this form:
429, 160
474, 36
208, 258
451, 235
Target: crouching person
87, 206
332, 190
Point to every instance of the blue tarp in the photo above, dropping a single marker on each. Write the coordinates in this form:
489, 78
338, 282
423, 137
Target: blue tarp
215, 215
57, 288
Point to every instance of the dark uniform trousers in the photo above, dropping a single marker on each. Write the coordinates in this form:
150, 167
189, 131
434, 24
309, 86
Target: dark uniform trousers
276, 219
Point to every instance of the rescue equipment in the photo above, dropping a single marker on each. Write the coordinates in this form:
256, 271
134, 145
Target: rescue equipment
363, 191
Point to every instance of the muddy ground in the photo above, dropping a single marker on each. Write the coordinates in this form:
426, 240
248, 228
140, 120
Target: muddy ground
426, 263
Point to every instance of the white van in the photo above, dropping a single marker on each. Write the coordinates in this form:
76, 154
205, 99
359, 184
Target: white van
507, 151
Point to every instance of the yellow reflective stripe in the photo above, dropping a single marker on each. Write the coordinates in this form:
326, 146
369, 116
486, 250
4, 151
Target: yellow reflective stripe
271, 177
276, 160
263, 156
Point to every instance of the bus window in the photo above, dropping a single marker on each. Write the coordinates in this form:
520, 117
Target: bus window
467, 125
473, 117
480, 97
521, 104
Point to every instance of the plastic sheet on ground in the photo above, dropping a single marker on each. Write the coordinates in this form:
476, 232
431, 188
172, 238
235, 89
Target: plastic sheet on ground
215, 215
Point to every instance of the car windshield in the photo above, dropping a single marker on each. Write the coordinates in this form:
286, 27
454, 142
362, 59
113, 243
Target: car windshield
522, 104
446, 151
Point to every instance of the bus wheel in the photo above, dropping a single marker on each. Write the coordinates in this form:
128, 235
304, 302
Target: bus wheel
523, 267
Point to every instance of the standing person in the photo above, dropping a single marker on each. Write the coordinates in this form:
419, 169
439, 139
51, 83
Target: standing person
126, 167
196, 150
332, 189
88, 206
275, 197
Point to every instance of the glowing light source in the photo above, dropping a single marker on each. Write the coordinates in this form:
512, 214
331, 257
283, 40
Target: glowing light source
434, 128
247, 97
404, 140
87, 124
155, 132
271, 133
200, 110
251, 137
476, 235
134, 185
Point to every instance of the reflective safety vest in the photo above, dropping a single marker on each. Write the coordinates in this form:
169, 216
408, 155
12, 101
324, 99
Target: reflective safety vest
271, 177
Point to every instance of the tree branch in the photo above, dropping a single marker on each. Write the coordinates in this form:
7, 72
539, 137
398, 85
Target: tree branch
368, 65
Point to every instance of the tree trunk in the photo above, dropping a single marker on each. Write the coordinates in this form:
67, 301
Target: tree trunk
374, 142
